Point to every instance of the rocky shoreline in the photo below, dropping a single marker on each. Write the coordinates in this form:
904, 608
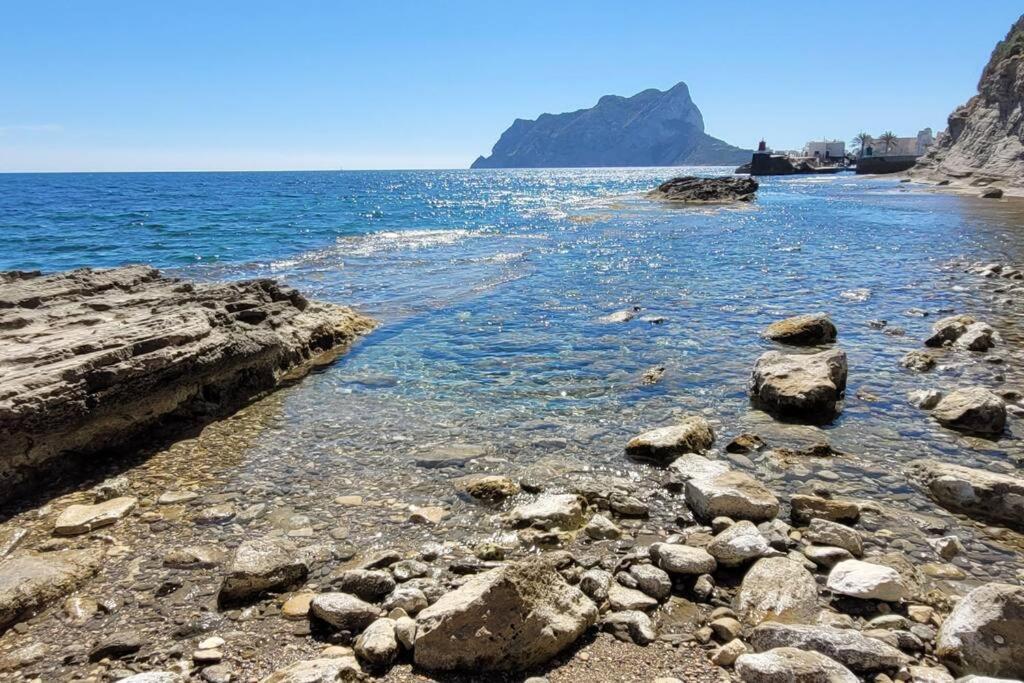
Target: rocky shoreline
696, 566
93, 361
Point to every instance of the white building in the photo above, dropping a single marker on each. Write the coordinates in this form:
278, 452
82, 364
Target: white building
915, 146
825, 150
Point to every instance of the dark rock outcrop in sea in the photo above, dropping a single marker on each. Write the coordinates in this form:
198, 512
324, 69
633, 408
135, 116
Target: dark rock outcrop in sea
651, 128
696, 190
984, 144
92, 360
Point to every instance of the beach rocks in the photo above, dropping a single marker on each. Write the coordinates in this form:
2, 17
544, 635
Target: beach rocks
630, 626
918, 361
651, 580
601, 528
805, 386
510, 618
682, 559
693, 434
853, 650
31, 581
791, 665
377, 645
372, 585
693, 189
948, 330
777, 589
984, 634
99, 359
622, 598
260, 566
550, 511
343, 611
80, 519
983, 495
825, 532
868, 581
738, 544
731, 494
925, 399
321, 670
803, 508
975, 409
490, 488
802, 330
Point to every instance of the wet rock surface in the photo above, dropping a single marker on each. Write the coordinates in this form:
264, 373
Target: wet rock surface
802, 330
694, 189
802, 386
93, 359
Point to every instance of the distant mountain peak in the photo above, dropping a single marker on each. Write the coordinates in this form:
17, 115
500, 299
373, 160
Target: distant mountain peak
651, 128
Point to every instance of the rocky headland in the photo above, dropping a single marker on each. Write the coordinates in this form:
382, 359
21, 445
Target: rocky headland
651, 128
983, 148
99, 360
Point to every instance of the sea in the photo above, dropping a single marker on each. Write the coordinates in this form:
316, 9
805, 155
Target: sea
492, 289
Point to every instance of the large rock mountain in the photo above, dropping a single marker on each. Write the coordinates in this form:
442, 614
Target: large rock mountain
984, 144
651, 128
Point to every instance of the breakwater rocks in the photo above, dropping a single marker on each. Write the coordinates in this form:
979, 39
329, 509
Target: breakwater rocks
92, 360
696, 190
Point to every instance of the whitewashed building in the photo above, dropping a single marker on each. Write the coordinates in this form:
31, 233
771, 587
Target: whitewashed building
825, 150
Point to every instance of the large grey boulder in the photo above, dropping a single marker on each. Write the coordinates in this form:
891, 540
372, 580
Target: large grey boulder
738, 544
803, 386
93, 360
984, 634
550, 511
868, 581
947, 330
343, 611
682, 559
777, 589
262, 565
321, 670
983, 495
791, 665
731, 494
853, 650
825, 532
508, 619
378, 645
693, 434
802, 330
31, 581
975, 409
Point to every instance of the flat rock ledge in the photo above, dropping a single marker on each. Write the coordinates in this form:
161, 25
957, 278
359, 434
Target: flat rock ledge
979, 494
696, 190
91, 359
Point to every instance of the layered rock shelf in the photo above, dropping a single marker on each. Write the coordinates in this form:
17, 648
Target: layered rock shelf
94, 360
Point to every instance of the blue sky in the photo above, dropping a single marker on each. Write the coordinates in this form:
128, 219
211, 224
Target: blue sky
179, 85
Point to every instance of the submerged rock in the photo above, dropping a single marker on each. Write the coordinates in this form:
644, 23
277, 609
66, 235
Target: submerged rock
984, 634
30, 582
694, 189
948, 330
94, 360
511, 618
802, 330
975, 409
806, 386
80, 519
693, 434
791, 665
550, 511
804, 508
983, 495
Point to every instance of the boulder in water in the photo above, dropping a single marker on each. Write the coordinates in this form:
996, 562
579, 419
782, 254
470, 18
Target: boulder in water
693, 189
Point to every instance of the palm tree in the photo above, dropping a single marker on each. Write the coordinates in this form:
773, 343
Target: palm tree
888, 140
861, 142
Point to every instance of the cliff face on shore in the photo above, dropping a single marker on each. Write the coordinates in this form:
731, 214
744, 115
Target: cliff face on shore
984, 145
99, 359
651, 128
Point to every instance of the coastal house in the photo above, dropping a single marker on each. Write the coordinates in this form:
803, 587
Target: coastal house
825, 151
894, 155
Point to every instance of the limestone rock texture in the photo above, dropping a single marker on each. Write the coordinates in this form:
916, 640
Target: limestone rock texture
507, 619
696, 190
94, 360
31, 581
984, 143
651, 128
984, 634
801, 386
982, 495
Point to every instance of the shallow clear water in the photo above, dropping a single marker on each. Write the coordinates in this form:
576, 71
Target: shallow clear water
491, 287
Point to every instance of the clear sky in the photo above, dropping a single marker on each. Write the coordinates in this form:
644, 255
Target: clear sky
184, 84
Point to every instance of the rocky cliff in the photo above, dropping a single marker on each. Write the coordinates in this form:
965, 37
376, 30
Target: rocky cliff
651, 128
984, 145
92, 360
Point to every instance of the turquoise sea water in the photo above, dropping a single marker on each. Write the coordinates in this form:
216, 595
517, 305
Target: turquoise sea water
491, 286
